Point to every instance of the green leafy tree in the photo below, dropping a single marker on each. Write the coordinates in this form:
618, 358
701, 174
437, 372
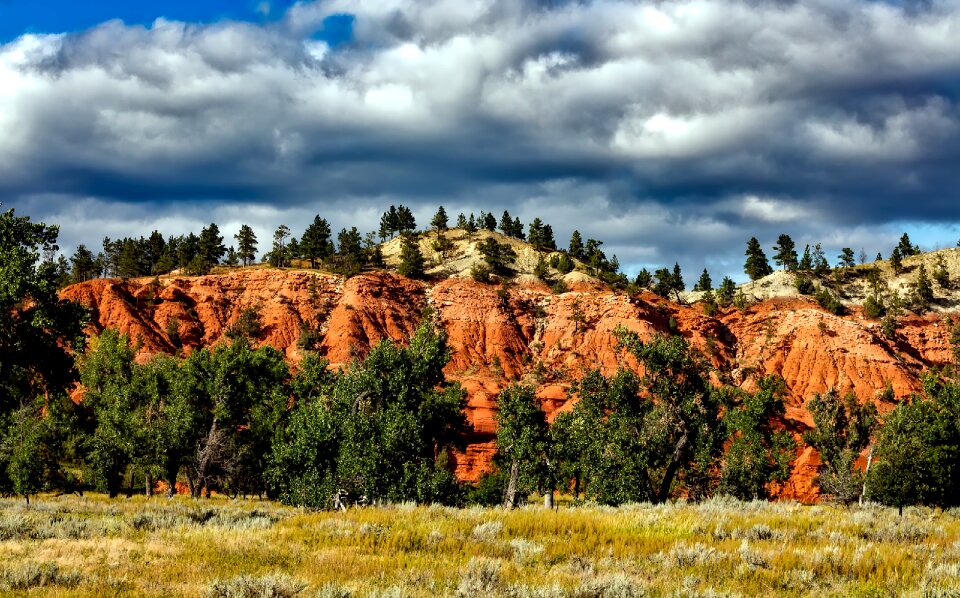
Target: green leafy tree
843, 428
684, 420
382, 430
786, 252
757, 454
918, 450
38, 334
411, 258
603, 444
756, 265
522, 442
107, 372
236, 398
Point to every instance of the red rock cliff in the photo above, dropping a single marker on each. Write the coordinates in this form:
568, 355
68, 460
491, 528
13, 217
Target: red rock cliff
526, 333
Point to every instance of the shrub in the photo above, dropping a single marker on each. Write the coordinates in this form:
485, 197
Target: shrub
489, 490
829, 302
480, 273
274, 585
873, 307
481, 578
559, 287
804, 285
37, 575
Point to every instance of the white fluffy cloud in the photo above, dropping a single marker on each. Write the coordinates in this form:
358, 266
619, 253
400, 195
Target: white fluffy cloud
711, 120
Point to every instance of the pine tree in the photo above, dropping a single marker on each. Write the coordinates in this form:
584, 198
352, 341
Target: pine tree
246, 245
278, 255
806, 262
924, 289
389, 223
462, 221
756, 265
518, 229
846, 258
576, 245
535, 234
704, 283
906, 247
548, 241
506, 224
644, 279
678, 285
896, 261
315, 244
411, 258
489, 222
439, 222
820, 265
83, 264
786, 255
211, 246
726, 291
406, 223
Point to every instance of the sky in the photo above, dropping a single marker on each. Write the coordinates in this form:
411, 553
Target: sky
673, 131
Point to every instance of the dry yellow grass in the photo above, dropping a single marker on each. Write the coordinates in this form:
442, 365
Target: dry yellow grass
90, 546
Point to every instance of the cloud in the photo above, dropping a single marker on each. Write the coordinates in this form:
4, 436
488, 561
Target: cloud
671, 130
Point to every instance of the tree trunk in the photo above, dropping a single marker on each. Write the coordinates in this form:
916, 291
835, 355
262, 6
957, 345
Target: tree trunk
866, 472
172, 481
548, 500
672, 468
510, 496
131, 482
190, 484
148, 485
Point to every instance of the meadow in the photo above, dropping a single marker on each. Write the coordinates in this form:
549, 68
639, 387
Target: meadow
92, 546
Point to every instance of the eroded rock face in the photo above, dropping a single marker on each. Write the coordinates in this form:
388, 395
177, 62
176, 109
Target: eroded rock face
528, 334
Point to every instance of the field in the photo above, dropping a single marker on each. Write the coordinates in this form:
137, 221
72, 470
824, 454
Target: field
91, 546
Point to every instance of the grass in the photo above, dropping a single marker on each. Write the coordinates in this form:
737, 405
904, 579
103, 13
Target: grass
91, 546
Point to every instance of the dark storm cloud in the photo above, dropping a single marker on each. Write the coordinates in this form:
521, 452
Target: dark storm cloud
673, 130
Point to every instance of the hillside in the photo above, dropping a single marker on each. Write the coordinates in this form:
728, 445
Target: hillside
528, 333
856, 286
